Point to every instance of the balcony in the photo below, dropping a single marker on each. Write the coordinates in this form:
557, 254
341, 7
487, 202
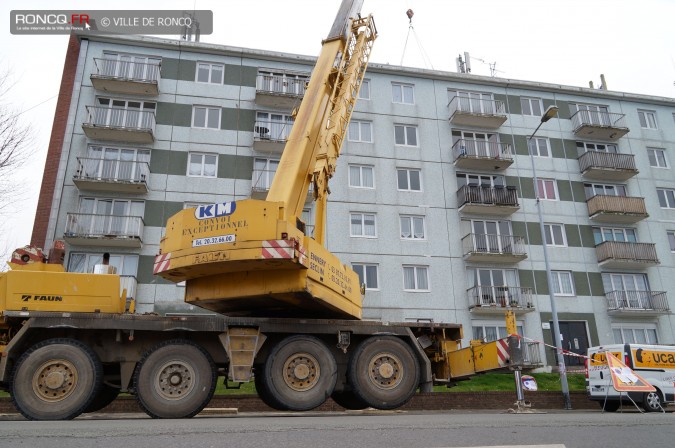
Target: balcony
129, 283
607, 165
476, 199
621, 254
497, 299
493, 248
617, 209
124, 176
599, 125
271, 135
482, 155
85, 229
280, 91
120, 125
637, 303
127, 77
482, 113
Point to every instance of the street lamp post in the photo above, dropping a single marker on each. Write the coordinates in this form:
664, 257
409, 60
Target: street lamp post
551, 112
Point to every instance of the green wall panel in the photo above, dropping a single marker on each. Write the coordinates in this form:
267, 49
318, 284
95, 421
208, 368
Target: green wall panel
581, 284
573, 237
571, 149
514, 105
595, 279
168, 162
145, 271
578, 191
174, 114
587, 239
238, 75
157, 212
519, 229
237, 119
534, 233
235, 167
564, 190
541, 282
521, 145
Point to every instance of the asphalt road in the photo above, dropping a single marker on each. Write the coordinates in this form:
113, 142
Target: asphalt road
344, 430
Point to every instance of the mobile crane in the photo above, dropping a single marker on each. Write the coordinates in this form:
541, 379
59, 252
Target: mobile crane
287, 312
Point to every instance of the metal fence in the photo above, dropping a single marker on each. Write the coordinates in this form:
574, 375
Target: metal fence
272, 130
136, 71
477, 194
112, 117
493, 244
502, 296
91, 225
616, 204
637, 300
281, 84
482, 149
599, 159
621, 250
598, 118
476, 106
112, 170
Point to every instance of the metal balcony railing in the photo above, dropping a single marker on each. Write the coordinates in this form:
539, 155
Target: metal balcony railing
112, 170
482, 149
281, 85
637, 300
606, 160
130, 283
598, 119
500, 296
127, 119
262, 180
272, 130
476, 194
531, 356
616, 204
127, 70
99, 226
475, 106
625, 251
493, 244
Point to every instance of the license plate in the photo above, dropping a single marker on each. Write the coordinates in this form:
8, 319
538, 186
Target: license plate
199, 242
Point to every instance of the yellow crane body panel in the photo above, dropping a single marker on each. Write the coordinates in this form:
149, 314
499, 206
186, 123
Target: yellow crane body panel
469, 361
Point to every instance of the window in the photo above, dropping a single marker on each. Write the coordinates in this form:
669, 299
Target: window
367, 274
206, 117
263, 173
480, 103
409, 179
202, 165
84, 262
364, 92
123, 113
405, 135
591, 114
489, 332
483, 180
361, 176
600, 147
360, 131
129, 66
272, 126
602, 234
293, 84
476, 144
308, 219
104, 162
627, 290
647, 119
634, 334
210, 73
494, 287
555, 235
539, 147
531, 106
562, 283
671, 240
666, 197
657, 158
363, 225
416, 278
604, 190
412, 227
547, 189
403, 93
102, 216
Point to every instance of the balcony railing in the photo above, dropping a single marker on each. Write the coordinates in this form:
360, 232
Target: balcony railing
120, 124
607, 165
480, 199
262, 180
497, 248
482, 154
500, 297
272, 130
531, 356
655, 301
130, 77
621, 253
97, 174
599, 124
84, 227
130, 283
281, 85
477, 112
617, 209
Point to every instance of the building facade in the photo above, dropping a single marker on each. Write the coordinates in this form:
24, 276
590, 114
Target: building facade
433, 202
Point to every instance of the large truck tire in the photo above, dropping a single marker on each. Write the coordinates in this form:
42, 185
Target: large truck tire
262, 391
175, 379
383, 372
56, 379
349, 400
300, 373
106, 395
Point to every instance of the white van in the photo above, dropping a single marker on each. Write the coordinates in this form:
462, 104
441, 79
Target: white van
654, 363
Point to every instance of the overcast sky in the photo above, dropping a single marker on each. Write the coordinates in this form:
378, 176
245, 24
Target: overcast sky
567, 42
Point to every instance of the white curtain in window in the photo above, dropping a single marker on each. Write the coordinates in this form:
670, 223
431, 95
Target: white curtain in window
367, 174
369, 225
422, 280
356, 224
409, 277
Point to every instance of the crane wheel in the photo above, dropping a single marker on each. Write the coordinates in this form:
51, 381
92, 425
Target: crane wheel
106, 395
56, 379
383, 372
262, 391
175, 379
348, 400
299, 374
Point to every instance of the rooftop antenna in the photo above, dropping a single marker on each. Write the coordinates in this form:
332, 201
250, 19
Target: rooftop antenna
409, 13
603, 83
464, 65
192, 29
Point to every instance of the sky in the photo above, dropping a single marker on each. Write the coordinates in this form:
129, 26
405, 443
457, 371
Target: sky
568, 42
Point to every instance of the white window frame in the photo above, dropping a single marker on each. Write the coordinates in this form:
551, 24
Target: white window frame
548, 229
408, 170
365, 267
362, 95
633, 327
405, 135
203, 164
363, 225
555, 189
210, 65
401, 87
208, 111
647, 119
359, 125
416, 269
412, 220
671, 239
557, 275
537, 145
668, 196
494, 180
361, 168
529, 101
614, 230
598, 147
656, 152
499, 327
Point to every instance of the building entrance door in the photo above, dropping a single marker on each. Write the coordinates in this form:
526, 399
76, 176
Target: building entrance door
575, 339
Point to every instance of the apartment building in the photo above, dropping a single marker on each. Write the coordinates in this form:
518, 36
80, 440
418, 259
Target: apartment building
433, 202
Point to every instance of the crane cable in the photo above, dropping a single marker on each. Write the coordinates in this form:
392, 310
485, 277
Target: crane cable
411, 29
